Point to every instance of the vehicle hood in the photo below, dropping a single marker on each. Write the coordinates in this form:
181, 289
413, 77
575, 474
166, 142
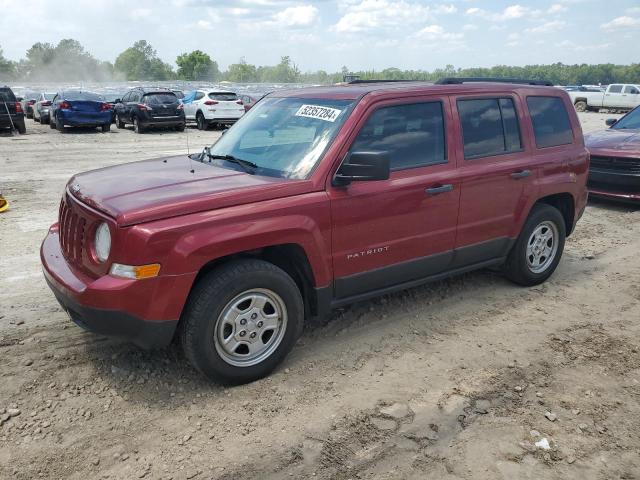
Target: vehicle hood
150, 190
616, 140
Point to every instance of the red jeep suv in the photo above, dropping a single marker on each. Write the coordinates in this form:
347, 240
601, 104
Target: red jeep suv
317, 198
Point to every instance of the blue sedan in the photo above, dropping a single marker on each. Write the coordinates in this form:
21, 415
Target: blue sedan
76, 108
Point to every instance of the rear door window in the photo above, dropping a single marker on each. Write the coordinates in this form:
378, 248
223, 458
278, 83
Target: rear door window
160, 98
615, 89
413, 135
223, 96
199, 96
631, 89
551, 125
489, 127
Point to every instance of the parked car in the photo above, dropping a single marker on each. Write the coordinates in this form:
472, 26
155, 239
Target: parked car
214, 108
148, 108
319, 198
249, 100
615, 159
111, 98
617, 96
78, 108
42, 107
27, 101
11, 113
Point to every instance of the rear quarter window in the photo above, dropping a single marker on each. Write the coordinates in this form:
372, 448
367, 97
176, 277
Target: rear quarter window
551, 125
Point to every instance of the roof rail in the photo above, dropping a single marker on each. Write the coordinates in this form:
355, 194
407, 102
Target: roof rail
355, 82
460, 80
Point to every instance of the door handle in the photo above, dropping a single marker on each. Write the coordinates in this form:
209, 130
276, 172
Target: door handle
440, 189
521, 174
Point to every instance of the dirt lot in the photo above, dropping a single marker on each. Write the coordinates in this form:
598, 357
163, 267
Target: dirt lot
453, 380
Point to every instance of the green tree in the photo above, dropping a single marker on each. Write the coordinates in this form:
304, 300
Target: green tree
197, 65
141, 62
242, 72
7, 68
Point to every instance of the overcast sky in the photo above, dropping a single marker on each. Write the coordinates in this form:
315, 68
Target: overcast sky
326, 34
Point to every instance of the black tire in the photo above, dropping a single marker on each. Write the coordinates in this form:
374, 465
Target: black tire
119, 122
37, 120
59, 125
180, 128
21, 127
517, 267
137, 126
52, 123
212, 294
44, 120
581, 106
106, 127
201, 121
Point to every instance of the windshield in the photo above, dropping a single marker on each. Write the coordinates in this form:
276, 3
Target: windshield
89, 96
285, 137
630, 121
163, 98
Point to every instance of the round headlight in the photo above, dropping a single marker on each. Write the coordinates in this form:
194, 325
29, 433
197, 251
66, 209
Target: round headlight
102, 242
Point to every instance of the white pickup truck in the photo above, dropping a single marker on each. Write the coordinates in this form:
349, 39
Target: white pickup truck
617, 96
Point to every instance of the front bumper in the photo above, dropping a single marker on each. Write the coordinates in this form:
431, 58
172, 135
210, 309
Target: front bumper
621, 186
144, 312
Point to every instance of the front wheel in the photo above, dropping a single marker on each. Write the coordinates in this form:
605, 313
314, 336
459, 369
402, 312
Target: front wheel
537, 252
241, 320
581, 106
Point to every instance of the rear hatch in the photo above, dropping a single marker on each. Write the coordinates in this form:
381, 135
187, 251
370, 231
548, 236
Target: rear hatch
7, 101
228, 104
162, 104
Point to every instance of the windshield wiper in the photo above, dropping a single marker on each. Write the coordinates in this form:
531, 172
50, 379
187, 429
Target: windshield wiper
246, 165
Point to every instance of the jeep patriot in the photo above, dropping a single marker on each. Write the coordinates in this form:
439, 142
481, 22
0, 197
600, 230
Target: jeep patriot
317, 198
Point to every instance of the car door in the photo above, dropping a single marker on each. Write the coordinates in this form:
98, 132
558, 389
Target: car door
630, 96
190, 112
496, 171
402, 229
121, 106
613, 97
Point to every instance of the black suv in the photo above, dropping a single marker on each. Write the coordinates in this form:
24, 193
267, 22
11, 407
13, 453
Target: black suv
149, 107
11, 113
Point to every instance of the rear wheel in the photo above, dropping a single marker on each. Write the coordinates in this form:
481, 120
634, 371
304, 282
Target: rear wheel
137, 127
180, 128
36, 119
539, 247
201, 122
581, 106
119, 122
106, 127
21, 127
52, 123
241, 320
59, 125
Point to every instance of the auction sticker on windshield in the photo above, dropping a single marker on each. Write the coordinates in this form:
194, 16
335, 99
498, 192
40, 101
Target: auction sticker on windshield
321, 113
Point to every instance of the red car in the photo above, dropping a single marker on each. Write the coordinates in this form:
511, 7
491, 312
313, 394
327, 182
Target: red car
615, 159
315, 199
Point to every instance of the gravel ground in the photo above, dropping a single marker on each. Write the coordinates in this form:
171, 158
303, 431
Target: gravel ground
461, 379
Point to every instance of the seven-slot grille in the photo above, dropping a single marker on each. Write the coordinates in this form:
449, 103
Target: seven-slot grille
615, 164
72, 231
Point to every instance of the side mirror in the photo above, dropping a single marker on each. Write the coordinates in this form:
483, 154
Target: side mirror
363, 166
611, 122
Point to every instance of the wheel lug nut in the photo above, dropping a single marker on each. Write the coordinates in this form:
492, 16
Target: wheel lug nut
254, 316
259, 324
253, 335
243, 321
242, 333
